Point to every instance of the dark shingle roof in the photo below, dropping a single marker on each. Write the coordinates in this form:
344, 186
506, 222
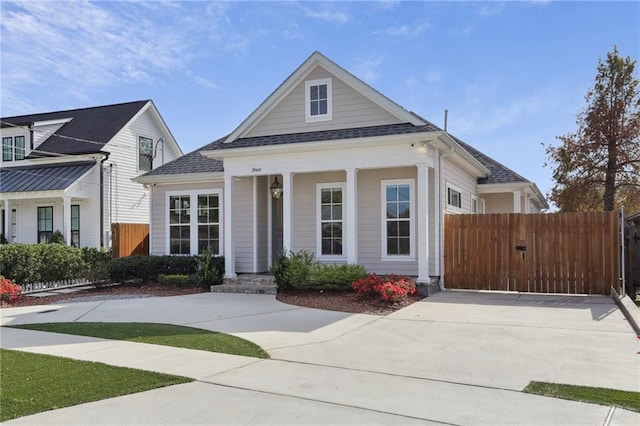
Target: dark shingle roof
499, 172
327, 135
193, 162
42, 178
97, 125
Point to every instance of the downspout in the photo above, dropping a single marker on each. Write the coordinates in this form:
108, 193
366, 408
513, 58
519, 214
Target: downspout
105, 158
441, 212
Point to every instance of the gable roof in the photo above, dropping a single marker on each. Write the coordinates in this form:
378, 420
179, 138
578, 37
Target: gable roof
87, 132
299, 75
191, 163
43, 177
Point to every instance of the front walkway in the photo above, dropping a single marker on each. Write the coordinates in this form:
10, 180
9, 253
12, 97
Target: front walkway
454, 358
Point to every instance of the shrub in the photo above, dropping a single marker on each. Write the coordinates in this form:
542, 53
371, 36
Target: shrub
390, 288
292, 270
210, 269
179, 280
149, 268
336, 277
96, 263
9, 291
57, 238
30, 263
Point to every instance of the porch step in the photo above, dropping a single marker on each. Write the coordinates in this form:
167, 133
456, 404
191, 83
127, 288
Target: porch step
248, 284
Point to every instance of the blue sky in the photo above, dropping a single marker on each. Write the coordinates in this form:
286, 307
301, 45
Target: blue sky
513, 75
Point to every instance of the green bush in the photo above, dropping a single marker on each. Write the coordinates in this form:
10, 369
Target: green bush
149, 268
30, 263
57, 238
292, 270
179, 280
96, 262
336, 277
210, 269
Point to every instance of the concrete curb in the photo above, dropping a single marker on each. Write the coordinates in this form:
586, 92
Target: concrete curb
629, 309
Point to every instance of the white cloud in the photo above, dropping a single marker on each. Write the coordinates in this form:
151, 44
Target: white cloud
407, 30
433, 76
387, 4
367, 67
489, 9
461, 31
328, 12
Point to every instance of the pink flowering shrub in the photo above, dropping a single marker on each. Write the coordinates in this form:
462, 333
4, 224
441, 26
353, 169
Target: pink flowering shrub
388, 288
9, 291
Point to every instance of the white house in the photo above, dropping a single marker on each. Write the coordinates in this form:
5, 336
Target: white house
72, 171
328, 164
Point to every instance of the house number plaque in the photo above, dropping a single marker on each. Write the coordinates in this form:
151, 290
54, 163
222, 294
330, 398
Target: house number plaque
256, 169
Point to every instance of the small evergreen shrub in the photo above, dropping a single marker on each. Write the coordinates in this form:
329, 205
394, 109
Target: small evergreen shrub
57, 238
96, 261
210, 269
30, 263
179, 280
149, 268
335, 277
292, 270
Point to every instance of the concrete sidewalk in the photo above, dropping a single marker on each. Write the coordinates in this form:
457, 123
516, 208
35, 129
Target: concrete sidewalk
440, 361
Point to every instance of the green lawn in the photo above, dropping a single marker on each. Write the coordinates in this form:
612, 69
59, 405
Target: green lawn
158, 334
32, 383
603, 396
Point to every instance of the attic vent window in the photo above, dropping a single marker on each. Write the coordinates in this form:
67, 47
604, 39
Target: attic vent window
318, 100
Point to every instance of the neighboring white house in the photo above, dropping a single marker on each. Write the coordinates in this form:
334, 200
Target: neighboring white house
328, 164
72, 171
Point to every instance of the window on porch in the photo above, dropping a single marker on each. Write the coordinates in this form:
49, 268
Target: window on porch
75, 225
398, 219
194, 223
45, 224
330, 224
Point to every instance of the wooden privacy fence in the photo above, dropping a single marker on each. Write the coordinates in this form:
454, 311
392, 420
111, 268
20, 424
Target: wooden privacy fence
573, 253
129, 238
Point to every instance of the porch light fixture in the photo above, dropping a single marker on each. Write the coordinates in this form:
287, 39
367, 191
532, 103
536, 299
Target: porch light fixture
276, 189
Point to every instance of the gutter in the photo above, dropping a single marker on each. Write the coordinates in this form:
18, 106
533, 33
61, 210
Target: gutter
105, 158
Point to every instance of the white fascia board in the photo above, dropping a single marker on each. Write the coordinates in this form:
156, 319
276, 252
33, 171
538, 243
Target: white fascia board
477, 168
165, 129
179, 178
311, 147
32, 195
52, 122
305, 69
57, 161
128, 123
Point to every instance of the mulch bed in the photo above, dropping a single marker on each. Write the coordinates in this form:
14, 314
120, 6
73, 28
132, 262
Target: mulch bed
327, 300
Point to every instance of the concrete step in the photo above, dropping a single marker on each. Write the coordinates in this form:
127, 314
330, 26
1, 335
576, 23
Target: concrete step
248, 284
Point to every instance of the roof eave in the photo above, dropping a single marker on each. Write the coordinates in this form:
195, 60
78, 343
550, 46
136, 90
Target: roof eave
178, 178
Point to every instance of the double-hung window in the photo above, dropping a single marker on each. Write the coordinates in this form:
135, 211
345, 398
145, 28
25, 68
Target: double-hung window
194, 222
318, 100
75, 225
45, 224
454, 198
145, 153
10, 237
330, 225
398, 219
13, 148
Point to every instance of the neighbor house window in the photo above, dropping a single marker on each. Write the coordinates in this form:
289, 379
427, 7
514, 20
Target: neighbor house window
398, 234
330, 219
13, 148
10, 237
474, 205
318, 100
194, 222
454, 197
75, 225
45, 224
145, 153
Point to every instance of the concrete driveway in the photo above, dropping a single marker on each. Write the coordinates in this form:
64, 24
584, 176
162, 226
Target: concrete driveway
454, 358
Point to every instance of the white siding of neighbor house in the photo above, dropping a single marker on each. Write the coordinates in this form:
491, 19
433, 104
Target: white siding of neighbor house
462, 180
130, 200
158, 244
350, 109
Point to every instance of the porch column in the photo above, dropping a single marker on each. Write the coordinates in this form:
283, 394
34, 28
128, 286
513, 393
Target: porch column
351, 237
287, 204
422, 190
517, 201
66, 219
229, 254
6, 231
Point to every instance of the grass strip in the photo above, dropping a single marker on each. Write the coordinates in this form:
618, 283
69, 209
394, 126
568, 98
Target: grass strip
604, 396
33, 383
157, 334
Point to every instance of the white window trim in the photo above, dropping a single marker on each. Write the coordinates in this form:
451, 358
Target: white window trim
193, 224
383, 220
307, 100
138, 153
474, 198
319, 188
449, 207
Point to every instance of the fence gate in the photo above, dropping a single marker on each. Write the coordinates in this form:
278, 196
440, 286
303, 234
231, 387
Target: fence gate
573, 253
129, 238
